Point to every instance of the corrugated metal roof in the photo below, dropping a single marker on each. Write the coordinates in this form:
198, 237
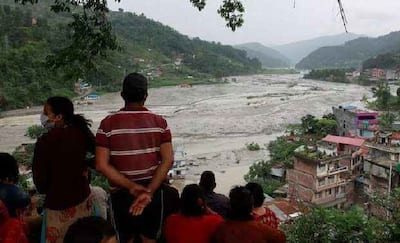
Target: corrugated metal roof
344, 140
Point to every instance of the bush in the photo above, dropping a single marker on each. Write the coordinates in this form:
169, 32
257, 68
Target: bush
253, 146
35, 131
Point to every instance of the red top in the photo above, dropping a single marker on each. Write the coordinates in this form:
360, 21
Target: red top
11, 229
134, 135
182, 229
247, 232
268, 218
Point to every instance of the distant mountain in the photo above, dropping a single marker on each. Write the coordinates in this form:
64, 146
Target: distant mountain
298, 50
352, 53
268, 57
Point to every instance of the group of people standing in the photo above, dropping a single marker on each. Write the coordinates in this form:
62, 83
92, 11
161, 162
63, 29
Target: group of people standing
133, 150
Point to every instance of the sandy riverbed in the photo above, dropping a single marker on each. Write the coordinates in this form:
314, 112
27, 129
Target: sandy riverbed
214, 122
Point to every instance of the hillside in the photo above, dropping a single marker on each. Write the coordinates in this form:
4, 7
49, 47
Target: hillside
352, 53
298, 50
268, 57
33, 35
385, 61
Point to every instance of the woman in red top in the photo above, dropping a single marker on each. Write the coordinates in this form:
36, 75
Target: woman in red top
195, 223
261, 213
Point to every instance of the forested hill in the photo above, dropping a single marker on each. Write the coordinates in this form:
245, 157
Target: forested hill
33, 33
268, 57
352, 53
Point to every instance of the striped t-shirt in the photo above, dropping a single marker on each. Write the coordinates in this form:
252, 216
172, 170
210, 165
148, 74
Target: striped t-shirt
134, 135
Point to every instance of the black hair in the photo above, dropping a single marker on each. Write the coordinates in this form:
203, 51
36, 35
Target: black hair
91, 229
190, 204
134, 88
257, 192
8, 168
63, 106
207, 181
241, 202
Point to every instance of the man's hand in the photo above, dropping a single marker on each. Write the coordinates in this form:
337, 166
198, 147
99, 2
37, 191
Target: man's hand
137, 189
140, 203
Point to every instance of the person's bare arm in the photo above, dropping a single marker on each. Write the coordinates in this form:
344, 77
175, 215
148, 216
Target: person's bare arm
167, 156
159, 177
113, 175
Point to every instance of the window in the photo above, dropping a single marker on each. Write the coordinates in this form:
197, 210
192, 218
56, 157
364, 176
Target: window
321, 182
329, 192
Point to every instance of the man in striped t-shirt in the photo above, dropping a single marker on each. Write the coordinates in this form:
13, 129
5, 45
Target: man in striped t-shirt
134, 151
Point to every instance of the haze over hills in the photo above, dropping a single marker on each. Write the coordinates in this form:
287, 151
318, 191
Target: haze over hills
352, 53
298, 50
268, 57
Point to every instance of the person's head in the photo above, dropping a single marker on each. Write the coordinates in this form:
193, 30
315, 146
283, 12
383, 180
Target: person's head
57, 111
241, 202
9, 172
192, 201
257, 192
134, 89
207, 181
91, 229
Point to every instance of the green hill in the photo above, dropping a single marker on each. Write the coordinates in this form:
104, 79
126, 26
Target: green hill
268, 57
352, 53
33, 35
298, 50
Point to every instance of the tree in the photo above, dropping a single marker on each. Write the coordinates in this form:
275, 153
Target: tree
332, 225
92, 34
309, 124
382, 94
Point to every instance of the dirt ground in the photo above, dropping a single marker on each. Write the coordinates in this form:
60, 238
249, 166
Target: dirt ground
214, 122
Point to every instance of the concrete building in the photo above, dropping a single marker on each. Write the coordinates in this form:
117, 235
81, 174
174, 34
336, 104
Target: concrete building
352, 121
325, 176
380, 173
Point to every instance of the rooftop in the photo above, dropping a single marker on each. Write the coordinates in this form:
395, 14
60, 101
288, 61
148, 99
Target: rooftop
344, 140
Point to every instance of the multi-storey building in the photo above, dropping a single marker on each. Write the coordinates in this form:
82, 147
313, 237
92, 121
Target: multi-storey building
380, 174
352, 121
325, 176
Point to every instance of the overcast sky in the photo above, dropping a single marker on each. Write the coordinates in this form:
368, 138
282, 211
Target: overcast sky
271, 21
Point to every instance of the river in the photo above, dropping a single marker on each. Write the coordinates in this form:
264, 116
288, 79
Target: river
214, 122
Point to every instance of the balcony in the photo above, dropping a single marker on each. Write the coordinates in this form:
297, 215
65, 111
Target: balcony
329, 199
330, 185
338, 169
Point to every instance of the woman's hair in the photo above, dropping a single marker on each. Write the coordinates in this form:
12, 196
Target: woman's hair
8, 168
192, 201
91, 229
257, 192
241, 202
63, 106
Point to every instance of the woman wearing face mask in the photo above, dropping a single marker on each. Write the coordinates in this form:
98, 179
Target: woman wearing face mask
59, 167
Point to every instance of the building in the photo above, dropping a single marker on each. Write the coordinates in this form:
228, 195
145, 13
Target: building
377, 73
352, 121
380, 173
324, 176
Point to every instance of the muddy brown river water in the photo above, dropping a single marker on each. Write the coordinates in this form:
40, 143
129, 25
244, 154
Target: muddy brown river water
214, 122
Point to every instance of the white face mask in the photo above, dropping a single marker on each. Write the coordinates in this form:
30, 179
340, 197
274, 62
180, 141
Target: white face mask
44, 120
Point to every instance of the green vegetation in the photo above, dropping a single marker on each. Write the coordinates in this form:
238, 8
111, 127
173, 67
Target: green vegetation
384, 61
282, 149
280, 71
35, 131
332, 75
352, 54
35, 39
253, 146
333, 225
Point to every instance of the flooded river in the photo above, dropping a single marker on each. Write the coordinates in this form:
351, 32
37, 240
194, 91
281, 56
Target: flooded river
214, 122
